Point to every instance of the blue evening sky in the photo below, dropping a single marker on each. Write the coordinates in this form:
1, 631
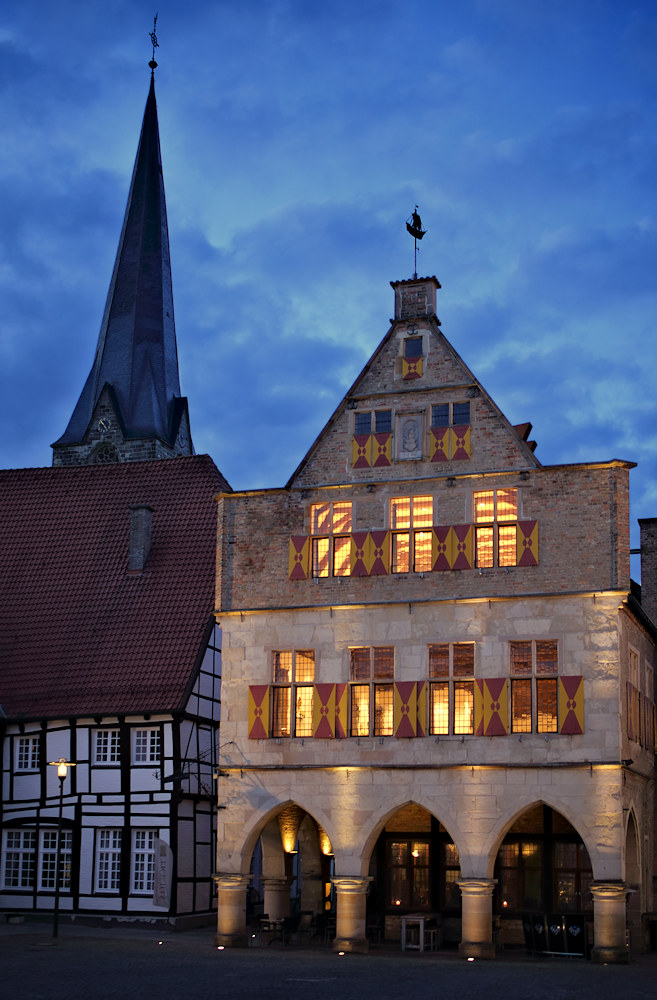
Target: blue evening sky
297, 137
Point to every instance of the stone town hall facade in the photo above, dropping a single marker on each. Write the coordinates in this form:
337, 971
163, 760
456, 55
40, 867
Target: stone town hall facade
437, 679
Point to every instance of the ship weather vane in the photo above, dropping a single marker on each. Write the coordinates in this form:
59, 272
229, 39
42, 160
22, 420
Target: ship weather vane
155, 44
414, 226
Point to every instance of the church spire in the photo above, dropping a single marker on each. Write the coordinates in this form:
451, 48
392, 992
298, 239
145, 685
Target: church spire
130, 408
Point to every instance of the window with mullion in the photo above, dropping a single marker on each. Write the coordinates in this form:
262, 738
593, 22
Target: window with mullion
107, 746
450, 414
147, 744
330, 529
371, 699
108, 860
293, 675
19, 859
495, 536
143, 862
451, 696
408, 516
27, 753
49, 847
534, 667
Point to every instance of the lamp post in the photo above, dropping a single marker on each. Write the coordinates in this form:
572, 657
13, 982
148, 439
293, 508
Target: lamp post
62, 766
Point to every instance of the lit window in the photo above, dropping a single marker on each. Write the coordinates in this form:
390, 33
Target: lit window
108, 860
143, 861
372, 701
494, 536
293, 674
330, 528
534, 666
107, 746
451, 695
146, 746
408, 874
411, 521
27, 753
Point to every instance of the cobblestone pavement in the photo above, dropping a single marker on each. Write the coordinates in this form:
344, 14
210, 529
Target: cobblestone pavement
94, 964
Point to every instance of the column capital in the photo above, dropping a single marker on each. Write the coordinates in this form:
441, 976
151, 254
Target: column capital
275, 882
610, 889
349, 884
476, 886
231, 881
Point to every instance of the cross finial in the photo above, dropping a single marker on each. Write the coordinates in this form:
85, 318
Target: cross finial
155, 43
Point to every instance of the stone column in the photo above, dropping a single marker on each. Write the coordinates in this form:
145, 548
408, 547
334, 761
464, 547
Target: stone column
351, 906
277, 897
231, 910
477, 917
609, 920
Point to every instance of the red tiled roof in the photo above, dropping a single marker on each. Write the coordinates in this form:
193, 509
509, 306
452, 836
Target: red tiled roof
78, 635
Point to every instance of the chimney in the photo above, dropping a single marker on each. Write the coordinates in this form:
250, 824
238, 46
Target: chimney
141, 527
648, 528
415, 297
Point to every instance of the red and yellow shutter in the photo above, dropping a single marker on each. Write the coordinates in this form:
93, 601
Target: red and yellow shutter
439, 444
341, 723
412, 367
441, 548
491, 707
527, 543
258, 711
461, 446
299, 559
360, 549
421, 698
462, 545
324, 711
361, 451
379, 553
382, 450
405, 709
571, 705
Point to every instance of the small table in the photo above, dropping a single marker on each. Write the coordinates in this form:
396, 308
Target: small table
419, 920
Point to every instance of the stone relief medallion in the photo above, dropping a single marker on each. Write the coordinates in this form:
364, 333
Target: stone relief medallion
410, 435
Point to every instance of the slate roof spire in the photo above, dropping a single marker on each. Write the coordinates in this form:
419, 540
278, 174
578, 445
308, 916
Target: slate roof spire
131, 408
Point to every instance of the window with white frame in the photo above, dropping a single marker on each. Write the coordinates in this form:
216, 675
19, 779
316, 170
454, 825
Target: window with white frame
18, 859
451, 688
143, 861
107, 746
108, 860
372, 672
495, 538
293, 674
534, 668
411, 520
27, 753
330, 527
146, 746
49, 845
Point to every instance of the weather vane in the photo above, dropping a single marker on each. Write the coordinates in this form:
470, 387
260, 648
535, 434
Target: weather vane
156, 44
414, 226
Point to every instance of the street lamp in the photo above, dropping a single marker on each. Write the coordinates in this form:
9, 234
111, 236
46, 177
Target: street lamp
62, 766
